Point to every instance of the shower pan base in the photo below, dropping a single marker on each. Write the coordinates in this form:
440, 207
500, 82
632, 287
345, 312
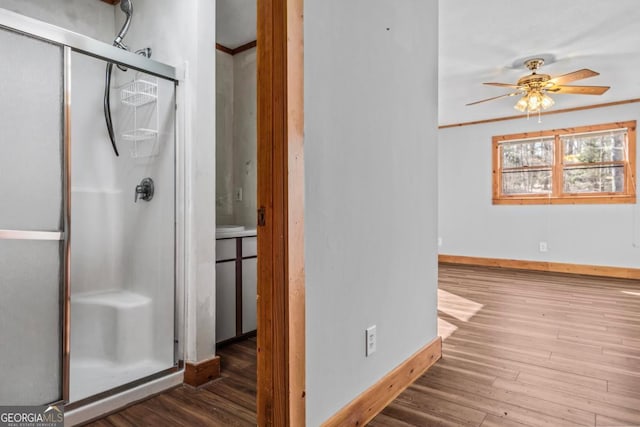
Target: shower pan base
92, 376
111, 344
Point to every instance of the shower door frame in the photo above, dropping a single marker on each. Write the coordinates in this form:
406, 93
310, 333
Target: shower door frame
71, 42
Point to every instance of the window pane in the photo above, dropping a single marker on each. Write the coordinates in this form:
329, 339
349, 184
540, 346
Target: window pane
527, 153
607, 146
609, 179
526, 182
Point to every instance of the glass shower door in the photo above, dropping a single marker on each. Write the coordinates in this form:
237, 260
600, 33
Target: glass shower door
31, 220
123, 245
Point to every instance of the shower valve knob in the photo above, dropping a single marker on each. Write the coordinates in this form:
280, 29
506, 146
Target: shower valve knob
144, 190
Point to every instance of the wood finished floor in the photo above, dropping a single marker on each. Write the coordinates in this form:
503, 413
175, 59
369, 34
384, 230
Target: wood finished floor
529, 349
227, 401
520, 349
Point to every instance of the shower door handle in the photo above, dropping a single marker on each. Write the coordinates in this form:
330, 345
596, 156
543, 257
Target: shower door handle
30, 235
144, 190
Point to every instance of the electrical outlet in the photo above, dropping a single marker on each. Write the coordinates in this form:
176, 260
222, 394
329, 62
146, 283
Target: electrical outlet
439, 241
543, 247
371, 338
238, 194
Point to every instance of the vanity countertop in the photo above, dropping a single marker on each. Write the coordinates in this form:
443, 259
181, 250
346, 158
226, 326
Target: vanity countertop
222, 233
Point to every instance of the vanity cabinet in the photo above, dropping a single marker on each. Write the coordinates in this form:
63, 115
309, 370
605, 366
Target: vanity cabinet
225, 300
236, 287
249, 294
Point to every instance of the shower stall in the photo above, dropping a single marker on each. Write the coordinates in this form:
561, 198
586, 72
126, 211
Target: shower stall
87, 238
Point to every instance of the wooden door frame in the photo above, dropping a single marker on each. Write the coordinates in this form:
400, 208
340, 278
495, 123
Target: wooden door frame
281, 277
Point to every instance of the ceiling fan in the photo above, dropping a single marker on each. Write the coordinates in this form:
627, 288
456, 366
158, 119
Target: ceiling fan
535, 88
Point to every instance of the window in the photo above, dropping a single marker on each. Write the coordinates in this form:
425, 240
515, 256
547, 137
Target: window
590, 164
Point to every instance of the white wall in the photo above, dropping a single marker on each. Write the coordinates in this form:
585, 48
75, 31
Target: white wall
236, 137
224, 138
245, 136
470, 225
371, 191
92, 18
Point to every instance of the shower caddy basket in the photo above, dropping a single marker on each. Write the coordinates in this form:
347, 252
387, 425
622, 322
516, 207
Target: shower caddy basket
141, 94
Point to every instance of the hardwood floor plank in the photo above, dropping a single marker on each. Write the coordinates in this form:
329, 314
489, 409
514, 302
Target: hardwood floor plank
493, 406
602, 421
619, 350
601, 370
624, 362
447, 369
119, 420
115, 420
507, 352
596, 395
629, 388
157, 411
587, 337
631, 342
489, 372
241, 392
571, 399
493, 421
401, 414
383, 420
546, 344
215, 407
542, 371
441, 409
559, 411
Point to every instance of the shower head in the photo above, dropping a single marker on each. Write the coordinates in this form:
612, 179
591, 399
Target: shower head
127, 7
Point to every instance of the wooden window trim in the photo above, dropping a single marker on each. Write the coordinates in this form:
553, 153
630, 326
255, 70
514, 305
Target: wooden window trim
557, 196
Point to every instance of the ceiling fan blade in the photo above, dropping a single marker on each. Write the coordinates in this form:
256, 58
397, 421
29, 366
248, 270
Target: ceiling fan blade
503, 85
576, 75
579, 90
495, 97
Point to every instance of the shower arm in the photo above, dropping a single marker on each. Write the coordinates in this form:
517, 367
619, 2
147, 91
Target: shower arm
118, 43
127, 7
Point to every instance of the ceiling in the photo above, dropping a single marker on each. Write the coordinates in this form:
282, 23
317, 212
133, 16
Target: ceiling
236, 22
483, 41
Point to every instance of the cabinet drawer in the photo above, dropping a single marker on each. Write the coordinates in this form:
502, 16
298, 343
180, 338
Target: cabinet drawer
249, 246
225, 249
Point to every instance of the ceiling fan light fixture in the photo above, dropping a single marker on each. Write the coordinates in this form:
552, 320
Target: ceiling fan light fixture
521, 105
546, 102
533, 102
